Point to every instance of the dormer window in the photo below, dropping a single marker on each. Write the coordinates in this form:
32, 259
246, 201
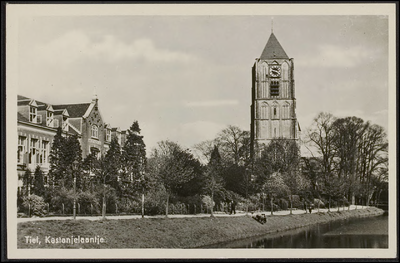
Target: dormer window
33, 114
108, 135
49, 119
95, 131
65, 123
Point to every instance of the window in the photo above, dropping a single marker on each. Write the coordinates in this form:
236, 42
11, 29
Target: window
264, 111
108, 135
286, 112
44, 155
49, 119
21, 149
274, 91
95, 131
33, 114
33, 156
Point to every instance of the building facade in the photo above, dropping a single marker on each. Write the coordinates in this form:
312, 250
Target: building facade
37, 125
273, 106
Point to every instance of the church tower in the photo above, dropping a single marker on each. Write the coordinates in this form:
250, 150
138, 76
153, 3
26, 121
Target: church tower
273, 108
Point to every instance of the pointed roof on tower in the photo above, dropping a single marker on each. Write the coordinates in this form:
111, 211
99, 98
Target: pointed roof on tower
273, 49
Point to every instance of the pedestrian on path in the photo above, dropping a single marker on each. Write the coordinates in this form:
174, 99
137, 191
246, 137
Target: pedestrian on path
310, 207
233, 207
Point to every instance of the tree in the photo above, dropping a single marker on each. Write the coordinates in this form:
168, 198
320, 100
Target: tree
321, 135
373, 160
71, 162
112, 164
38, 182
203, 150
56, 155
273, 187
133, 162
283, 157
172, 166
348, 132
231, 141
213, 176
27, 182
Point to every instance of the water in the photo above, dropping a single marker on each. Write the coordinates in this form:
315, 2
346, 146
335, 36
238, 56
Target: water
370, 232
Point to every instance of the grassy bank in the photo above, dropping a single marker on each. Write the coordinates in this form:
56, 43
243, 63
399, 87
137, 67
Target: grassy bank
164, 233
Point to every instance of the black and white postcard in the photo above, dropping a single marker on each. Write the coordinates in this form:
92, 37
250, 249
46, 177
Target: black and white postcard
198, 131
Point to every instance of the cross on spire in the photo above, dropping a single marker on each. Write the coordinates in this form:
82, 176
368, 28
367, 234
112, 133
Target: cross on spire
272, 25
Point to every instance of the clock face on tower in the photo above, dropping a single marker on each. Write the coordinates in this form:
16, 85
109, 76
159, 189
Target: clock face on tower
275, 71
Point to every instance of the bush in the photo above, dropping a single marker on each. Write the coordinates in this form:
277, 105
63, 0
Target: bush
34, 205
296, 202
61, 198
154, 202
283, 204
178, 208
89, 203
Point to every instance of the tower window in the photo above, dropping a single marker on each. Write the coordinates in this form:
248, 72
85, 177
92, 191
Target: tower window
274, 88
274, 111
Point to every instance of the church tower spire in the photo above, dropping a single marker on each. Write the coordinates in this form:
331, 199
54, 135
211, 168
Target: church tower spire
273, 108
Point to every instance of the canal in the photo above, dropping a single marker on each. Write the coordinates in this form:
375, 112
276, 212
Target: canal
369, 232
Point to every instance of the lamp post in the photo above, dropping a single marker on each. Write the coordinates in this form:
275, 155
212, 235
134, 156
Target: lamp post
74, 165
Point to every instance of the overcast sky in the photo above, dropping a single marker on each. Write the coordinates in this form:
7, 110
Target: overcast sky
185, 78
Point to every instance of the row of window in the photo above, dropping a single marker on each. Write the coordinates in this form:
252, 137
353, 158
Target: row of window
264, 111
38, 151
276, 89
34, 117
95, 133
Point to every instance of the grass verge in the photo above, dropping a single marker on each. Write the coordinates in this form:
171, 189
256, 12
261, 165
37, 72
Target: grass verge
164, 232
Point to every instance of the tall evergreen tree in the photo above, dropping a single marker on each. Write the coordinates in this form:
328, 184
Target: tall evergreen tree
112, 164
56, 155
133, 161
72, 162
38, 182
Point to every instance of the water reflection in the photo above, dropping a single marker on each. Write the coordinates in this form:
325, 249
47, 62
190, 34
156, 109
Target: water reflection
369, 232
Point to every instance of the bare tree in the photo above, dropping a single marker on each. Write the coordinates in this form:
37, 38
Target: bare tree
231, 141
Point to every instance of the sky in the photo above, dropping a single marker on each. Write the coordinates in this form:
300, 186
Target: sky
185, 78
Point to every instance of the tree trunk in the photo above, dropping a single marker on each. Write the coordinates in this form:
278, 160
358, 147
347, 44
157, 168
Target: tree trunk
143, 204
329, 204
291, 203
166, 208
104, 207
272, 206
212, 203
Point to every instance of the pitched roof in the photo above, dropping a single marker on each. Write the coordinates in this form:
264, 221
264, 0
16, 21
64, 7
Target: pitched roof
74, 110
273, 49
20, 97
21, 117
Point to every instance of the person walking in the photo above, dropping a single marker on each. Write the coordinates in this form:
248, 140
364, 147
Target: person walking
233, 207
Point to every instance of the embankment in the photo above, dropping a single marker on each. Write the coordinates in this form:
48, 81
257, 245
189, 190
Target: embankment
165, 233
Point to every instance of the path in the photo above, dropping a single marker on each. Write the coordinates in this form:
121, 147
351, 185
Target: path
217, 214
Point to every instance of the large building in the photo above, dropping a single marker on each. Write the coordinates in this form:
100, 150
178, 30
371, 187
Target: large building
273, 108
37, 125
